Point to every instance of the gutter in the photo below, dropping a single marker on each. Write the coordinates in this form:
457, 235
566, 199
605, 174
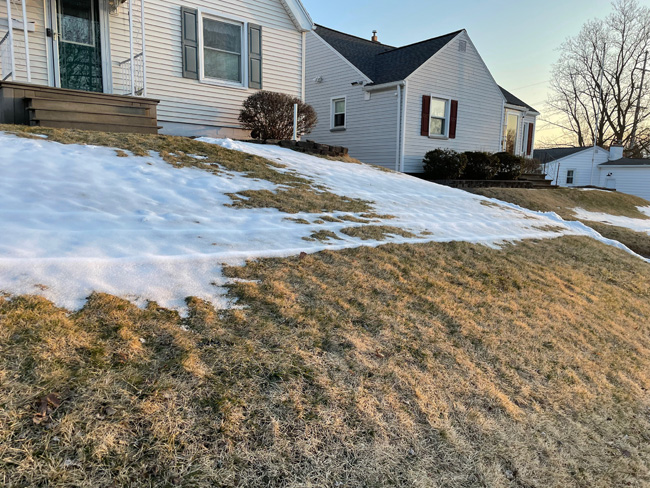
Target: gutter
400, 110
384, 86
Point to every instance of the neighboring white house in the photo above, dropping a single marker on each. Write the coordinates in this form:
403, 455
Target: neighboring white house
390, 106
586, 166
200, 58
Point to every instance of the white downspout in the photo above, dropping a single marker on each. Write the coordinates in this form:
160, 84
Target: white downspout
27, 64
132, 63
503, 119
144, 51
10, 24
399, 128
404, 114
303, 90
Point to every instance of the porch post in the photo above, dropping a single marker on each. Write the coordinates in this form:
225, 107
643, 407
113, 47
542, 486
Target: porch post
27, 64
10, 24
144, 51
131, 47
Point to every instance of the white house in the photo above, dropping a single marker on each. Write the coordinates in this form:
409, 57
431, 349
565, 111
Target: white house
391, 105
200, 58
588, 166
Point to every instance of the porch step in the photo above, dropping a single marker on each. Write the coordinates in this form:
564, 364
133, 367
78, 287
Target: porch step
40, 115
100, 126
94, 107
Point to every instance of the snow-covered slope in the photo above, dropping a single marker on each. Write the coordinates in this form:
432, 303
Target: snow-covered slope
639, 225
77, 219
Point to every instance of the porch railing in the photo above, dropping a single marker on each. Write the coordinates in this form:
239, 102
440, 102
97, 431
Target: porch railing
6, 69
138, 75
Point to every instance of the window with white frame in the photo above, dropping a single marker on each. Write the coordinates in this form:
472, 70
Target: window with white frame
223, 50
438, 117
339, 114
570, 176
511, 134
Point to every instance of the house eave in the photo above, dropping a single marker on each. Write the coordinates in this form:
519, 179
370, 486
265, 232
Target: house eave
522, 109
299, 15
384, 86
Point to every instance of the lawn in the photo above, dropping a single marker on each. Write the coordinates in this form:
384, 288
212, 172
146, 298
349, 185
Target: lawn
438, 364
563, 201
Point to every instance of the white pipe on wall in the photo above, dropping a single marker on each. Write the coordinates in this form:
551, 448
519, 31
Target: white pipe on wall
131, 47
10, 25
27, 64
144, 51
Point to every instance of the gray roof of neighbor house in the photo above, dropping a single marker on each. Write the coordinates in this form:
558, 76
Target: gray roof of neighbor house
513, 100
549, 155
380, 62
628, 162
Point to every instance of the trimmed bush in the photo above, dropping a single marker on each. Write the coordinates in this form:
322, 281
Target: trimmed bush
510, 166
480, 166
444, 164
269, 115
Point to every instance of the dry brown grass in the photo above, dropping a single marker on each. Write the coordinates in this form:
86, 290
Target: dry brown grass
432, 365
323, 236
376, 232
639, 242
179, 151
564, 200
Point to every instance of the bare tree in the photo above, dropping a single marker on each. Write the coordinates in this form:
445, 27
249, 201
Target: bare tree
611, 50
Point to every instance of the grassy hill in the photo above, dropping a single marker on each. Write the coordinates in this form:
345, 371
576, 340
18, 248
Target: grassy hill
563, 200
399, 365
406, 365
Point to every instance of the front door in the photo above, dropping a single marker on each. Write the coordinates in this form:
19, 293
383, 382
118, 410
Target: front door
77, 44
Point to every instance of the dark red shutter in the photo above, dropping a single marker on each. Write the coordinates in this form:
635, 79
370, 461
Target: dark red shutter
453, 119
426, 113
531, 128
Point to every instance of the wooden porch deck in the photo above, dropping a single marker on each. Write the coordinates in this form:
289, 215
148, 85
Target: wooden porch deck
36, 105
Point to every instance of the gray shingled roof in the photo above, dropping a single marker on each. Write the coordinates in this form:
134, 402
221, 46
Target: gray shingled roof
549, 155
380, 62
628, 162
513, 100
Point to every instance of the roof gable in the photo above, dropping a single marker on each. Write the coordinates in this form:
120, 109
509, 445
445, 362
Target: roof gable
380, 62
298, 14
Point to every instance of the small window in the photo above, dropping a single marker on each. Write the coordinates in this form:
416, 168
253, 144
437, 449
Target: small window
222, 50
570, 176
438, 117
339, 113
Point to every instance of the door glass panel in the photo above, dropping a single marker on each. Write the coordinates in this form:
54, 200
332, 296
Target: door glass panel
80, 60
512, 128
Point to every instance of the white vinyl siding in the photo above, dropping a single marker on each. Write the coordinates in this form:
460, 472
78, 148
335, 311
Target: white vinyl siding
37, 40
580, 163
371, 132
635, 181
203, 105
460, 76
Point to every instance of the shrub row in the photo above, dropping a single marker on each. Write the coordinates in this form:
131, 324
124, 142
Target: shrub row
445, 164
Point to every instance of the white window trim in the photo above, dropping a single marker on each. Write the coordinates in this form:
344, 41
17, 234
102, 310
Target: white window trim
213, 14
566, 176
332, 113
518, 150
447, 117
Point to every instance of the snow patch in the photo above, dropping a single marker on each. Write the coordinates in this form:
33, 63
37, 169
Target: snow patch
638, 225
76, 219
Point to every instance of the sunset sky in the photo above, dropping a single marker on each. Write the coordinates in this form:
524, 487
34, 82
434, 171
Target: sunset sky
518, 40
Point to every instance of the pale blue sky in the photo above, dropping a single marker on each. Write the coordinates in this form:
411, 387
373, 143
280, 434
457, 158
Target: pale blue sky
518, 39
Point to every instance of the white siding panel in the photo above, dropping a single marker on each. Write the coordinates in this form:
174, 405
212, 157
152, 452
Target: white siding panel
37, 40
371, 133
580, 163
189, 101
635, 181
460, 76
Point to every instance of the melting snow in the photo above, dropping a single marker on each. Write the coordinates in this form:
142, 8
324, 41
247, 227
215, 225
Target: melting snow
639, 225
76, 219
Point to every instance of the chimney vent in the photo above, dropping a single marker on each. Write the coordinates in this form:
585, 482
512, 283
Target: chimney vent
615, 151
374, 36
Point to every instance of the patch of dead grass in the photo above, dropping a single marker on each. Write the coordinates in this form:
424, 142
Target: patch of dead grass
376, 232
450, 365
639, 242
298, 200
323, 236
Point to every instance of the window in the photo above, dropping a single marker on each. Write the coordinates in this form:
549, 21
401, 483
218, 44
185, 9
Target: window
222, 50
511, 133
438, 117
338, 113
570, 176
